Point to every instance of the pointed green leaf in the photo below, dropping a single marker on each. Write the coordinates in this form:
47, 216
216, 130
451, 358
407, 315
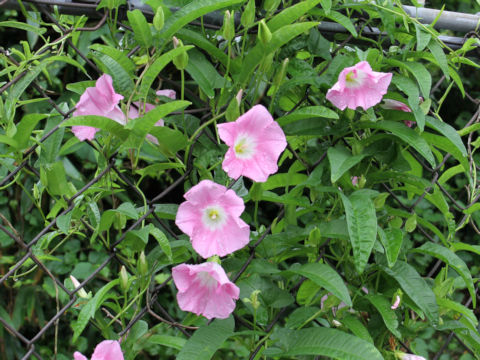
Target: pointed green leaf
290, 14
391, 240
383, 305
207, 340
362, 225
331, 343
416, 288
356, 327
324, 276
341, 160
452, 260
140, 27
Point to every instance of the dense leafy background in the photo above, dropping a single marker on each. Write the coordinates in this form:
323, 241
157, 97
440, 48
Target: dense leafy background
89, 208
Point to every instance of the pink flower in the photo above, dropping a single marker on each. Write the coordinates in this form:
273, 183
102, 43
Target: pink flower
359, 86
205, 290
99, 100
354, 180
396, 303
409, 123
211, 217
255, 143
106, 350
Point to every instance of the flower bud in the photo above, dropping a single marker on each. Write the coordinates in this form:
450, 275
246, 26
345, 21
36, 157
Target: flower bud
315, 237
142, 264
239, 96
123, 278
396, 303
180, 61
228, 26
336, 323
248, 16
82, 293
264, 33
159, 19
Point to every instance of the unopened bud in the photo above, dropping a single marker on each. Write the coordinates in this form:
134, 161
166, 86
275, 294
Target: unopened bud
280, 77
248, 16
315, 237
228, 26
264, 33
123, 278
159, 19
336, 323
396, 303
81, 292
254, 299
180, 61
142, 264
239, 96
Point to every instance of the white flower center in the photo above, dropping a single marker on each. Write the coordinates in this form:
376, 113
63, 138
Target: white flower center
206, 279
244, 146
355, 78
214, 217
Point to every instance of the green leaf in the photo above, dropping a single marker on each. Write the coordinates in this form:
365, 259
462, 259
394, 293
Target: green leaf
140, 27
382, 304
127, 209
403, 132
122, 80
459, 308
308, 112
116, 55
99, 122
25, 128
452, 260
341, 19
331, 343
341, 160
169, 140
416, 288
207, 340
56, 179
167, 340
259, 52
203, 72
362, 225
324, 276
88, 311
423, 37
419, 72
192, 11
157, 66
439, 55
449, 132
391, 240
356, 327
23, 26
290, 14
162, 241
66, 60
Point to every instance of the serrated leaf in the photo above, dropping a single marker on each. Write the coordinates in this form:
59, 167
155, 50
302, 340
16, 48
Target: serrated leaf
362, 226
324, 276
207, 340
452, 260
332, 343
416, 288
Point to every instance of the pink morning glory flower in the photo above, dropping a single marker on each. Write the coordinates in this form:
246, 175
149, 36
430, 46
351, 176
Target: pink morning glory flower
100, 100
211, 217
106, 350
255, 143
205, 290
359, 85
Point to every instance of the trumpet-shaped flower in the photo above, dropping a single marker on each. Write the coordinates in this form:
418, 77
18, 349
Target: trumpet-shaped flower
359, 85
106, 350
211, 217
100, 100
205, 290
255, 143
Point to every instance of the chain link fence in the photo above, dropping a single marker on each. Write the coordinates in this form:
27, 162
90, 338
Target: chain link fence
20, 176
